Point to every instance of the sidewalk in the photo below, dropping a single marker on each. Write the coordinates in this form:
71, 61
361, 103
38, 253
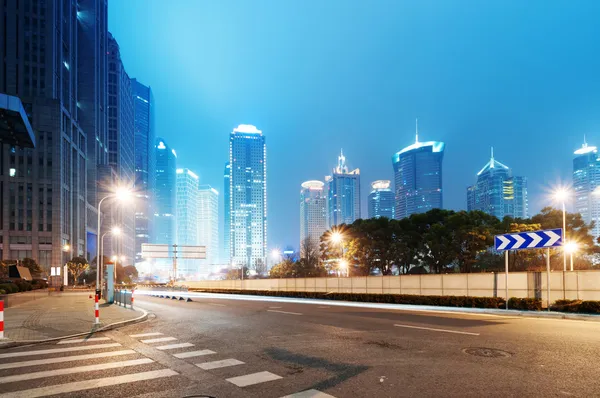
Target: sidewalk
61, 314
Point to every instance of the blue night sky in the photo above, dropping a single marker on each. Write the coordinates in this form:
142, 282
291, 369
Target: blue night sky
317, 76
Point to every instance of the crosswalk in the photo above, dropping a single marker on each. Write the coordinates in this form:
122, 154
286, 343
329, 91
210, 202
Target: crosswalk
242, 380
77, 366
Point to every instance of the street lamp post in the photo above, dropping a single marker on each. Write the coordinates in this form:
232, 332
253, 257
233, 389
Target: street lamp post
562, 195
571, 248
115, 231
121, 194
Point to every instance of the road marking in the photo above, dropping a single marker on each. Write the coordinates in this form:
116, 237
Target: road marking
285, 312
275, 307
192, 354
159, 340
36, 362
89, 384
219, 364
437, 330
254, 378
323, 307
145, 334
83, 340
79, 369
218, 305
309, 394
173, 346
57, 350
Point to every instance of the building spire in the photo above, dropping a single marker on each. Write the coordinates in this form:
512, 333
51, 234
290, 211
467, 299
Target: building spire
584, 141
492, 159
416, 130
341, 166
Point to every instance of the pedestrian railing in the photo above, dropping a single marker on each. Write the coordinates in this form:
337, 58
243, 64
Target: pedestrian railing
124, 298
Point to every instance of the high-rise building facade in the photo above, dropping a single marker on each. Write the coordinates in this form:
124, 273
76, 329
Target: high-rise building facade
226, 249
165, 200
145, 164
586, 181
248, 197
381, 200
343, 194
313, 213
187, 219
497, 192
56, 65
208, 227
120, 150
418, 178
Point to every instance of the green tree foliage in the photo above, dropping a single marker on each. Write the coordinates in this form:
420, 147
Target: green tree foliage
309, 265
32, 265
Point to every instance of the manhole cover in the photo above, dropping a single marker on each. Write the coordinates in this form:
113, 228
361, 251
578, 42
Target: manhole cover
487, 352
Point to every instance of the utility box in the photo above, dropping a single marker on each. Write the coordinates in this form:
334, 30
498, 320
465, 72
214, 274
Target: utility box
109, 280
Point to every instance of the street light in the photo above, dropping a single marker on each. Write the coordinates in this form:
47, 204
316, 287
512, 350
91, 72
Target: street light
122, 195
114, 231
343, 265
67, 249
571, 248
562, 195
336, 237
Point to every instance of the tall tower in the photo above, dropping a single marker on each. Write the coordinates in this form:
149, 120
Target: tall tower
497, 192
145, 164
187, 219
381, 200
418, 177
208, 227
165, 194
54, 60
226, 249
248, 196
586, 180
313, 213
343, 194
120, 150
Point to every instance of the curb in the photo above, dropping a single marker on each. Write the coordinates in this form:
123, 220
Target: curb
141, 318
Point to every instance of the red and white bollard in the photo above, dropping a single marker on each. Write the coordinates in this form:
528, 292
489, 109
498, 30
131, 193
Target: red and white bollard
97, 310
1, 319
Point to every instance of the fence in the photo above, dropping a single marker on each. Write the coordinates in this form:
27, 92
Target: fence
124, 298
581, 285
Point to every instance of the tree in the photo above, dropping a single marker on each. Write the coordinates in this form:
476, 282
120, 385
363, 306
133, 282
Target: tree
473, 233
32, 265
236, 273
285, 269
76, 267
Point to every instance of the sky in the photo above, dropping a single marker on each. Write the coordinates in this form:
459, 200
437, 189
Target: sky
319, 76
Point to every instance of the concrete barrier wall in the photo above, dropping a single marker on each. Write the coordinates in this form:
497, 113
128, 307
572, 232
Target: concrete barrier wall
582, 285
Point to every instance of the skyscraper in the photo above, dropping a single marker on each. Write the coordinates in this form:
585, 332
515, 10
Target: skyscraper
120, 149
313, 213
165, 194
497, 192
343, 194
145, 164
248, 196
418, 177
586, 179
53, 60
381, 200
226, 249
208, 227
187, 218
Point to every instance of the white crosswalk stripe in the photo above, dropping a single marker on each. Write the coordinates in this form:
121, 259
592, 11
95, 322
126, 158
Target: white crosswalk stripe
145, 334
79, 369
173, 346
219, 364
159, 340
309, 394
91, 339
192, 354
47, 361
254, 378
57, 350
89, 384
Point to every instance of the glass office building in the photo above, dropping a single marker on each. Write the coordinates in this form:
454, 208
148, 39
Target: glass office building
208, 228
586, 181
381, 200
165, 194
343, 194
313, 212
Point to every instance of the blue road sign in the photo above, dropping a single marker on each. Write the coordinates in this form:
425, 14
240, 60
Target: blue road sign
529, 240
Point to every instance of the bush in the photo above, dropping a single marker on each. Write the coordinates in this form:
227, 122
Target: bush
577, 306
528, 304
9, 288
2, 291
444, 301
39, 284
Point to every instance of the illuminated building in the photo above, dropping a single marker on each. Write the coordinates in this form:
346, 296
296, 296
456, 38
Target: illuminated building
586, 180
208, 227
381, 200
165, 194
248, 197
343, 194
418, 178
497, 192
313, 212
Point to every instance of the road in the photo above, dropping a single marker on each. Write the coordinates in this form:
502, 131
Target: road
224, 347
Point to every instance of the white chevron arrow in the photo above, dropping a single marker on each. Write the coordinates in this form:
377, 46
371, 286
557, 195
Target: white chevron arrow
554, 237
519, 241
536, 239
505, 241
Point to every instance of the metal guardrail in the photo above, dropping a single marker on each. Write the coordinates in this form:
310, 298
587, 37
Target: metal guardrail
124, 298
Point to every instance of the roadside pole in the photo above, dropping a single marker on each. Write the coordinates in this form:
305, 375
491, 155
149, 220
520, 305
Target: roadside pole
1, 319
96, 310
548, 277
506, 275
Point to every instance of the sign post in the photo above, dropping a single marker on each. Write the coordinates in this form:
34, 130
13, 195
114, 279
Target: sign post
529, 240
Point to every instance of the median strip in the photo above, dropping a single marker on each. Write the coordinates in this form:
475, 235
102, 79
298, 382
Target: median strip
437, 330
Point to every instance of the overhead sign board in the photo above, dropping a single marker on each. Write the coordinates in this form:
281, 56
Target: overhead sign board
529, 240
150, 250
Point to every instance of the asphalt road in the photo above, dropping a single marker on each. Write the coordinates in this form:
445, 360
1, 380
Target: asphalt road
236, 348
